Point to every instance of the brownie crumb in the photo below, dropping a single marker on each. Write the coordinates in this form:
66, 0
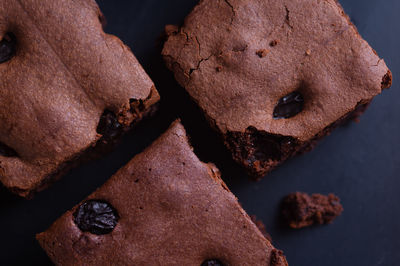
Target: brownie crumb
274, 43
387, 80
277, 258
301, 210
262, 53
260, 225
171, 30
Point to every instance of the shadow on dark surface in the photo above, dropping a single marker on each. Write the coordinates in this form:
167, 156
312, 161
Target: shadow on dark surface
7, 199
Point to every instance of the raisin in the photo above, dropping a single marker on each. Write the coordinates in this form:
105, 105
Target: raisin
289, 105
96, 216
212, 262
7, 47
109, 126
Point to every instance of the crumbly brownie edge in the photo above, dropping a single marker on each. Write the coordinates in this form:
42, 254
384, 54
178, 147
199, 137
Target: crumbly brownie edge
233, 140
140, 109
245, 146
275, 256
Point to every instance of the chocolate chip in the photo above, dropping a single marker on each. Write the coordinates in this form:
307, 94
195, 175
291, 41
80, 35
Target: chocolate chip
289, 105
109, 126
7, 151
212, 262
96, 216
7, 47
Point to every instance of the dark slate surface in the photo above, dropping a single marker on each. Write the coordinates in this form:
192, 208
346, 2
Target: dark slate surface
359, 162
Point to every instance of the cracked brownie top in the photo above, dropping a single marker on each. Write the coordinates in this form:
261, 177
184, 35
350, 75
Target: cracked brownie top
289, 68
59, 73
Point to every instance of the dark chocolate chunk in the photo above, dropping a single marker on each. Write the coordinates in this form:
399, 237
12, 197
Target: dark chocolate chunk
96, 216
109, 126
212, 262
7, 47
289, 105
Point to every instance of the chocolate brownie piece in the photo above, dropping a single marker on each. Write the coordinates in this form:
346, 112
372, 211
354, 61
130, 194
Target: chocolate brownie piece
301, 210
165, 207
274, 76
66, 87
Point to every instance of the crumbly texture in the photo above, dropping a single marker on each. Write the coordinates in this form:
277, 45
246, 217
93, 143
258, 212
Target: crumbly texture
173, 210
219, 56
301, 210
66, 72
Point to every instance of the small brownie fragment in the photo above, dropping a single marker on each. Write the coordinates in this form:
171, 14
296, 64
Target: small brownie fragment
301, 210
277, 258
262, 53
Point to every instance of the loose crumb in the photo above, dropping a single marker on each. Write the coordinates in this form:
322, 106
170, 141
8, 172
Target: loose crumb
274, 43
262, 53
301, 210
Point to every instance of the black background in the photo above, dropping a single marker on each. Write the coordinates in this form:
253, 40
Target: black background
360, 162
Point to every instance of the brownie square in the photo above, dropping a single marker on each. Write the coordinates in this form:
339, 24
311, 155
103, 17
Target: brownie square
67, 87
165, 207
273, 77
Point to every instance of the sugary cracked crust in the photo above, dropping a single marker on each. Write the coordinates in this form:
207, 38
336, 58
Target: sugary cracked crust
173, 209
66, 72
237, 58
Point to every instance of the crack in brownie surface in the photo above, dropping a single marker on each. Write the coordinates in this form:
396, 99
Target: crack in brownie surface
313, 48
